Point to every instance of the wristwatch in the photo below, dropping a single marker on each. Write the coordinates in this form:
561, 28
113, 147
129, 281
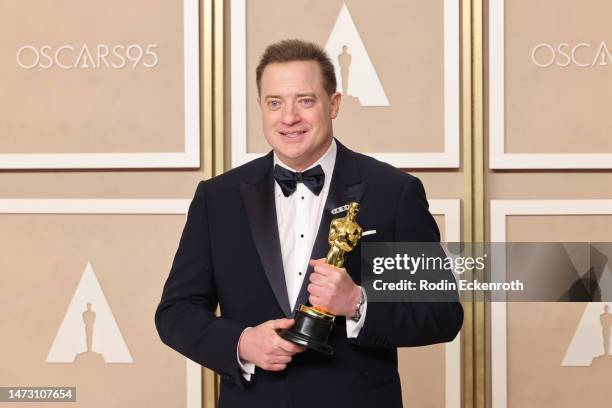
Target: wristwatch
359, 306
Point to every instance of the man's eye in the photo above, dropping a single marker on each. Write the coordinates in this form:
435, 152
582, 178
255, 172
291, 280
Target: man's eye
273, 104
307, 102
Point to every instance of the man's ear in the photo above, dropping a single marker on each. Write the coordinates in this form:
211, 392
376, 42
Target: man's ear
335, 100
259, 102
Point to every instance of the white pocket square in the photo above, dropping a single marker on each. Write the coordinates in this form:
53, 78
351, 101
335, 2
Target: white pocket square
368, 232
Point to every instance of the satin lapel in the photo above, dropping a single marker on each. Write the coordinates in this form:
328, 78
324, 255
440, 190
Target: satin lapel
346, 186
261, 212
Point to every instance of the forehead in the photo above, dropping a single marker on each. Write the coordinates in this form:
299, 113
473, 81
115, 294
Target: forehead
291, 77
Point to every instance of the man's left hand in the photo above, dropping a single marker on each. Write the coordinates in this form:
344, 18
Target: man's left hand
332, 289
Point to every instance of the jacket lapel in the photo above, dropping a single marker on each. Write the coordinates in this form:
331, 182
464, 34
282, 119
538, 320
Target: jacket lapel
346, 186
258, 196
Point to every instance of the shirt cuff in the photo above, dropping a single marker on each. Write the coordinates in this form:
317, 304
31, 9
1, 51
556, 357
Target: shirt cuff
246, 367
353, 327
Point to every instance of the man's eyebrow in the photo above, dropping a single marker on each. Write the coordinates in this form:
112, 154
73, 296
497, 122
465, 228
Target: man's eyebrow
301, 95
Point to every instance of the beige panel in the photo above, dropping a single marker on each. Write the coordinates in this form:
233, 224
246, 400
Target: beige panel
118, 183
440, 219
539, 334
94, 184
409, 68
547, 185
85, 110
43, 259
422, 371
557, 109
559, 228
440, 184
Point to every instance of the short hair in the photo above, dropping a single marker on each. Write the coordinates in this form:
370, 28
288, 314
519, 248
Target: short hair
298, 50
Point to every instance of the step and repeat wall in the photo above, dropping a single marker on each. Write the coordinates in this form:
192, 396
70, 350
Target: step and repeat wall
104, 135
101, 149
550, 180
397, 65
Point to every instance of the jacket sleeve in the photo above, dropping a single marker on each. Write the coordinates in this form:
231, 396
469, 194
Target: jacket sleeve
185, 318
401, 324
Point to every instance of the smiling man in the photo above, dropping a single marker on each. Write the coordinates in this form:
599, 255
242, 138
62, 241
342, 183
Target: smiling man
254, 244
298, 101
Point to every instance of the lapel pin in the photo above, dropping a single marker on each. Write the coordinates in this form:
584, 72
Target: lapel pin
340, 209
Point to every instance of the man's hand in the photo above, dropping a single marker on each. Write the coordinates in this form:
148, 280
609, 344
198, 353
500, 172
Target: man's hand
333, 289
262, 346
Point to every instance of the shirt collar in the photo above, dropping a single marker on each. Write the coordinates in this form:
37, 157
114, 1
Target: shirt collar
327, 162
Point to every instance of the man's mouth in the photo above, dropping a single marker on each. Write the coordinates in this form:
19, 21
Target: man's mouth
294, 133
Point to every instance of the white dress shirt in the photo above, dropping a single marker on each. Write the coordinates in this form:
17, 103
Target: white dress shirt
298, 217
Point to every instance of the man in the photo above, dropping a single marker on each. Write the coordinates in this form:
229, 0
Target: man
254, 244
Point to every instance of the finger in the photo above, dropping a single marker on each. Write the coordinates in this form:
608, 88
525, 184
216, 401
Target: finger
317, 279
315, 290
325, 269
282, 350
315, 262
317, 301
325, 281
274, 367
286, 347
280, 359
321, 269
280, 323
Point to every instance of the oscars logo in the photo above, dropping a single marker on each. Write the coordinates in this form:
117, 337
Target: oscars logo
69, 57
90, 335
351, 60
590, 345
582, 55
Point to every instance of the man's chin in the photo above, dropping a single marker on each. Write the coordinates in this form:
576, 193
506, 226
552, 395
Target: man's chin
294, 157
291, 150
291, 156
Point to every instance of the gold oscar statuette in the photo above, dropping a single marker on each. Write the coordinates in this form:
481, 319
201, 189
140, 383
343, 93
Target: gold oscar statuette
313, 324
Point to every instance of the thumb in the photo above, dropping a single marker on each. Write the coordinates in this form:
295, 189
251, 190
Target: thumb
281, 323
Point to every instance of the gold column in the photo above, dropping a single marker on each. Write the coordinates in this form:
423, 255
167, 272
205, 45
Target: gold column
218, 26
467, 132
480, 323
474, 336
475, 375
206, 89
211, 34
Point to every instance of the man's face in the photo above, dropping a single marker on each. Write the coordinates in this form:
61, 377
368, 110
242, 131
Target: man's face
297, 112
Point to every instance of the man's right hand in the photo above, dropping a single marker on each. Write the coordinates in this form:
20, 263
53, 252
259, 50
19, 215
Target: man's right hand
262, 346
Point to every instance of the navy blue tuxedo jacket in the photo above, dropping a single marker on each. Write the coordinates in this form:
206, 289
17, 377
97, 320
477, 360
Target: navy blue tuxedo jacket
229, 256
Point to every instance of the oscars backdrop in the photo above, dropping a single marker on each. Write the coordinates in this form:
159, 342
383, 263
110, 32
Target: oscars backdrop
550, 153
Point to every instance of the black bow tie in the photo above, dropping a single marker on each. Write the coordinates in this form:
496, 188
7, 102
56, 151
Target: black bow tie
313, 179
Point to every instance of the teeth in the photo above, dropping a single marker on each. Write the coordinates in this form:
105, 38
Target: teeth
299, 132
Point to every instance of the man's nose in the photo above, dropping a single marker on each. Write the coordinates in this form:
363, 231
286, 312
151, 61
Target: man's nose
291, 115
